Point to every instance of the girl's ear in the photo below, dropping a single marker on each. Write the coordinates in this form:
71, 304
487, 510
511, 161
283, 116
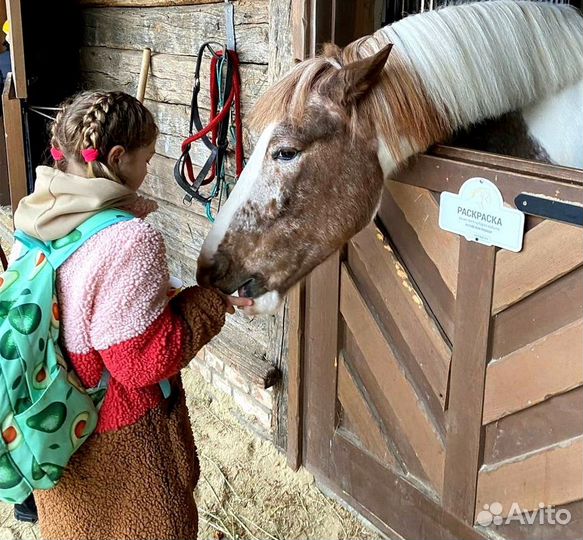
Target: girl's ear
114, 156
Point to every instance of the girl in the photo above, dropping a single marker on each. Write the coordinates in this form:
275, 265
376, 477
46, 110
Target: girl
135, 476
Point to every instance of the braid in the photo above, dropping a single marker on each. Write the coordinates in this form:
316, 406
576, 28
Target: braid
93, 131
56, 128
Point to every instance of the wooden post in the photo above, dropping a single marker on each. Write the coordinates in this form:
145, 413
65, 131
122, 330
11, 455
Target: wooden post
301, 11
3, 18
17, 48
14, 143
144, 69
321, 358
295, 388
467, 378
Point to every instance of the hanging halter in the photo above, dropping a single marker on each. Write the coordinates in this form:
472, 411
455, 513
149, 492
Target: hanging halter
225, 93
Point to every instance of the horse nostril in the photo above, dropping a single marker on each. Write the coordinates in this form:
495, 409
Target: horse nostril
252, 288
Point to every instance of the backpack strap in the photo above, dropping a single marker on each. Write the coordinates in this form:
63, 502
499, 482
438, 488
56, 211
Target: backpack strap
63, 248
58, 251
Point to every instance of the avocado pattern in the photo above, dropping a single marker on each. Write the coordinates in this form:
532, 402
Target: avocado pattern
45, 412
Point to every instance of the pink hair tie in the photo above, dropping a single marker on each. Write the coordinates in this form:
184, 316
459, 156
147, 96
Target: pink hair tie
57, 154
90, 154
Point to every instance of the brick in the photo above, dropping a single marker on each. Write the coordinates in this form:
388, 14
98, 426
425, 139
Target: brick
264, 397
203, 369
213, 361
236, 379
201, 355
250, 407
221, 384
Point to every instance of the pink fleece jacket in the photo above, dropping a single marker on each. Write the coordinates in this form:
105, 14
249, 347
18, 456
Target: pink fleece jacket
113, 295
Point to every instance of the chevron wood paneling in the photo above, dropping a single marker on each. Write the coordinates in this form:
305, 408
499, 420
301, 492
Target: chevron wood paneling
543, 259
551, 365
413, 420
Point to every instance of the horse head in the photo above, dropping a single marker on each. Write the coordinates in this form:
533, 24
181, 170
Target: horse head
312, 182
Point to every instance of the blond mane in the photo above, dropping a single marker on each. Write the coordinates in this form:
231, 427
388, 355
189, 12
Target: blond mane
448, 68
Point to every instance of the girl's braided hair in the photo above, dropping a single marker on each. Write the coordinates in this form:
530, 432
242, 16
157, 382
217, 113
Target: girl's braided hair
101, 120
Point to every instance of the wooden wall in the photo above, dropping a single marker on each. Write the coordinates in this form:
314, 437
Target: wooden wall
110, 59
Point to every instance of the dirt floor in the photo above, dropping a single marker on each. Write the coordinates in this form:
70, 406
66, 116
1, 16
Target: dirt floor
246, 490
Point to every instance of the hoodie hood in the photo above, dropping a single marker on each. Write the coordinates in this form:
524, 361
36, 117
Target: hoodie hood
61, 202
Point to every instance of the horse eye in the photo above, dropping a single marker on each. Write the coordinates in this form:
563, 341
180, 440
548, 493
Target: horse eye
285, 154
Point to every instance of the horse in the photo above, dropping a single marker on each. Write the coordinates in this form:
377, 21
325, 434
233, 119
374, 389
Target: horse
338, 124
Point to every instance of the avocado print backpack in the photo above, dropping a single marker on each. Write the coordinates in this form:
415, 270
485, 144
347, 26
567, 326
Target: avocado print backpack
45, 413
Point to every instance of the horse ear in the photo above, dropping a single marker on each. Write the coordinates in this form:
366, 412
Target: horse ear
357, 78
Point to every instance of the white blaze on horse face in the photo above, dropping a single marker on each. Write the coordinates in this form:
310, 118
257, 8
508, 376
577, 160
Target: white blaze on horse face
239, 196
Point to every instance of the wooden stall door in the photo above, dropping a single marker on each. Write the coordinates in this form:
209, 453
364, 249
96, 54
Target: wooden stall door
425, 357
376, 375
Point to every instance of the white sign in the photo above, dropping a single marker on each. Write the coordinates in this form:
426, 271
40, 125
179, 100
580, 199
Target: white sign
478, 214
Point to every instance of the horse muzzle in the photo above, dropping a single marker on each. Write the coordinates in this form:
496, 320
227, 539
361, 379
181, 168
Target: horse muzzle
221, 273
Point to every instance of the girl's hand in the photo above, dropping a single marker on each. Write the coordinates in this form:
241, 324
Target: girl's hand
236, 301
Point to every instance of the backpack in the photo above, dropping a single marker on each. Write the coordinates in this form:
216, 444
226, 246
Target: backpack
45, 413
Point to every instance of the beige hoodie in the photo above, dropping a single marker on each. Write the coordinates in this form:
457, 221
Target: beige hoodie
61, 201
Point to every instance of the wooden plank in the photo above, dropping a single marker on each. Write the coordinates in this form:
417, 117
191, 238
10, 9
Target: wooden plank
397, 303
425, 274
295, 375
171, 76
551, 476
401, 447
414, 422
542, 313
182, 229
390, 328
17, 49
173, 123
382, 494
549, 366
364, 419
550, 251
421, 211
281, 34
507, 163
440, 174
159, 184
321, 357
142, 3
300, 29
179, 30
14, 143
467, 378
556, 419
239, 347
277, 356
